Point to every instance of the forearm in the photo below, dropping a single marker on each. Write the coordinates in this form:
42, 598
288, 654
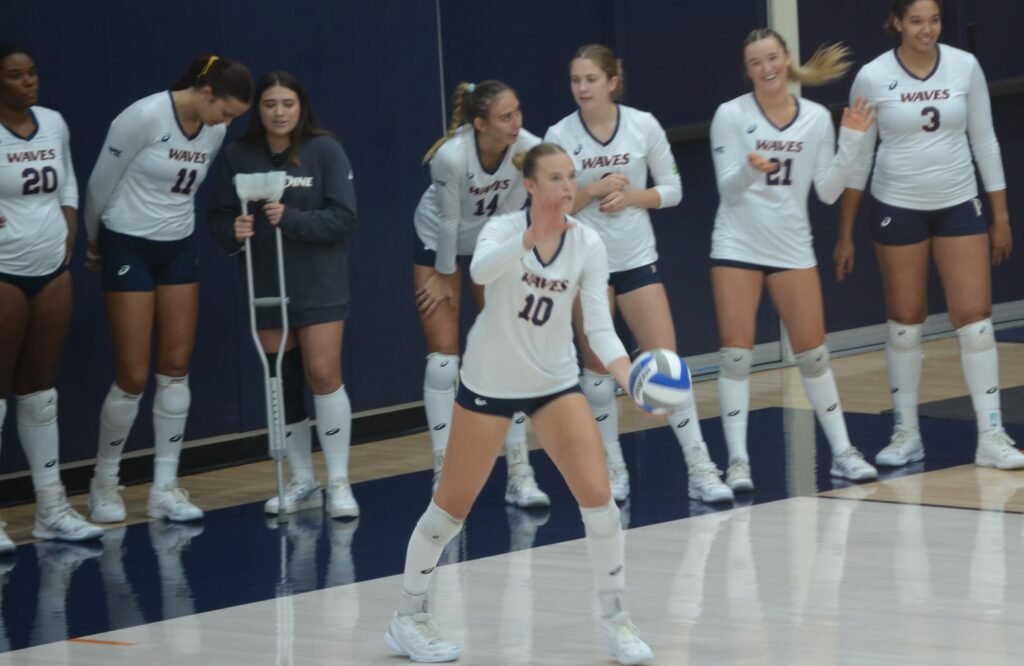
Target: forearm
649, 198
1000, 212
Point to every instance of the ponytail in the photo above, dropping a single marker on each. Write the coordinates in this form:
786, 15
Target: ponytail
226, 78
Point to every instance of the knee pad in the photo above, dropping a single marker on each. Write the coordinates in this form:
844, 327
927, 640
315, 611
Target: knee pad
437, 526
172, 397
813, 362
293, 381
598, 387
735, 363
442, 372
977, 337
120, 408
903, 337
601, 521
37, 409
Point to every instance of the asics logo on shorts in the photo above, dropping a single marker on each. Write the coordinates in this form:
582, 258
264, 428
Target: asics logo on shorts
886, 221
124, 269
479, 402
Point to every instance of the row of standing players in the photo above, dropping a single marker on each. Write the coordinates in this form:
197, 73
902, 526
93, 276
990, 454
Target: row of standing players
761, 238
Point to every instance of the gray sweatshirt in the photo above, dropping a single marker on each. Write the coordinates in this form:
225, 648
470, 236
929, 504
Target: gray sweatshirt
319, 216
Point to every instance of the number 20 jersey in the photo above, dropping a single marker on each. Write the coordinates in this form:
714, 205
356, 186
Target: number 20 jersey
36, 179
145, 179
924, 159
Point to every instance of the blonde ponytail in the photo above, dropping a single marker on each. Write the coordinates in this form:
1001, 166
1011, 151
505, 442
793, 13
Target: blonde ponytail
829, 63
456, 123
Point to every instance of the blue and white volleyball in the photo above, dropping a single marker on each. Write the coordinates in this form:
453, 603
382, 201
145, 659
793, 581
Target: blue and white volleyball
659, 381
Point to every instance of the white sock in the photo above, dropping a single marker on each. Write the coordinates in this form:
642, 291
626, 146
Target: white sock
824, 397
980, 361
606, 550
300, 450
903, 357
116, 418
334, 429
516, 452
170, 412
435, 528
439, 380
734, 399
686, 427
40, 439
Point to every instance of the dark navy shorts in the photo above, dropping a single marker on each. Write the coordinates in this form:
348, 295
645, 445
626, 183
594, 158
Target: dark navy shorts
507, 406
730, 263
422, 256
132, 263
892, 225
31, 285
634, 278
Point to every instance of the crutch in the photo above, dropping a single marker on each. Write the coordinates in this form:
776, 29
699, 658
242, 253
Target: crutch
269, 186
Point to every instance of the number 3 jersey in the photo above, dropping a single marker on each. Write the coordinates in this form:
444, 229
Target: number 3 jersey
762, 218
463, 195
924, 159
36, 179
145, 179
521, 344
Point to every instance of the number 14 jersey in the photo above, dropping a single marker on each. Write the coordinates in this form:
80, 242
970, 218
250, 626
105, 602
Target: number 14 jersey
145, 179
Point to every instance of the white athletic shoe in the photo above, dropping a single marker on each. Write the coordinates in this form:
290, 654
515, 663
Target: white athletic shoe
737, 476
416, 635
705, 483
340, 502
56, 519
522, 491
996, 449
618, 477
171, 502
622, 640
6, 545
850, 464
904, 447
105, 503
299, 494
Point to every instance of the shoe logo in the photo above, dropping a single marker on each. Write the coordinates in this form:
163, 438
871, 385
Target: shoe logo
734, 412
444, 363
176, 438
440, 426
429, 571
479, 402
579, 147
886, 221
51, 463
832, 407
892, 86
332, 431
992, 390
601, 418
684, 423
616, 571
124, 269
117, 442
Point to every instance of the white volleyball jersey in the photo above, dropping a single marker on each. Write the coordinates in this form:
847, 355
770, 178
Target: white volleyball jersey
924, 158
637, 146
463, 195
36, 180
521, 343
762, 218
146, 177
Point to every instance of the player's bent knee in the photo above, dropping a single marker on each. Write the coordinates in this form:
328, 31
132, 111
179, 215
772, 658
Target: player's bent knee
735, 363
813, 362
601, 521
37, 409
173, 396
437, 525
442, 372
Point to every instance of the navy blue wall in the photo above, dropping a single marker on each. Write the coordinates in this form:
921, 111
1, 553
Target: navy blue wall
372, 71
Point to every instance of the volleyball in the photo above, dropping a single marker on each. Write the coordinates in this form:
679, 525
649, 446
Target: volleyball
659, 381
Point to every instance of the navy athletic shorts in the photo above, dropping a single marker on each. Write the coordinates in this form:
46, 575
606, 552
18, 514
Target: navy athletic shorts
892, 225
31, 285
731, 263
423, 256
629, 280
507, 406
131, 263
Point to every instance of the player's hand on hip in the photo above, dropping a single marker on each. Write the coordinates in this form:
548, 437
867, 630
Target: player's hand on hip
861, 116
243, 228
274, 211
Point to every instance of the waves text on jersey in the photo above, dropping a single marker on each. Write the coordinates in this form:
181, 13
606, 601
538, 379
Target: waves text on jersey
186, 156
780, 146
554, 286
32, 156
925, 95
493, 187
601, 161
